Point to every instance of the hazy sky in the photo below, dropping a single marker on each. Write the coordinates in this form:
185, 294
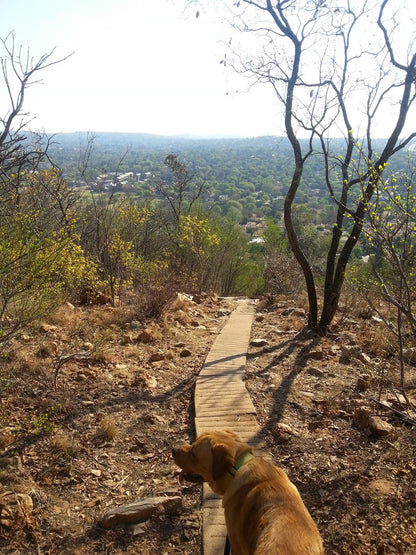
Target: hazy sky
138, 66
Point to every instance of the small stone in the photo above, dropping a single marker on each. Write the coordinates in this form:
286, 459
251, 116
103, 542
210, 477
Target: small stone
363, 382
365, 313
313, 371
364, 358
46, 328
283, 433
156, 357
362, 417
379, 428
349, 352
185, 353
258, 342
148, 335
315, 354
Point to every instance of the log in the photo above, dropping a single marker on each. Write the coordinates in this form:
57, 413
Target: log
139, 510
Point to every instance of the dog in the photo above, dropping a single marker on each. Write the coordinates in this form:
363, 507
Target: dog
264, 512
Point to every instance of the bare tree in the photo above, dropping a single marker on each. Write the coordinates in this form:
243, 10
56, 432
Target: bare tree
181, 191
34, 201
20, 71
337, 67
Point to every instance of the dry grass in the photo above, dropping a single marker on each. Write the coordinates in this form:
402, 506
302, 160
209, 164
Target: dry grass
108, 428
66, 444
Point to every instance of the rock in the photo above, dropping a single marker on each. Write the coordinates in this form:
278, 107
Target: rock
149, 335
373, 425
315, 371
299, 312
314, 354
366, 313
185, 353
363, 382
222, 313
259, 317
283, 433
379, 428
362, 417
349, 352
140, 510
127, 339
156, 357
364, 358
258, 342
150, 382
46, 328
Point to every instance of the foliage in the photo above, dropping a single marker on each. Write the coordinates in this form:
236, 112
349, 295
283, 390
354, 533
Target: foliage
391, 241
41, 260
198, 239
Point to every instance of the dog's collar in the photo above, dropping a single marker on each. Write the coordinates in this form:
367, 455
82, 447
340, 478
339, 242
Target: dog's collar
240, 461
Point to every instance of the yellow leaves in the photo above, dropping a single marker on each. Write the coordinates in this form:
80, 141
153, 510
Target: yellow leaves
198, 233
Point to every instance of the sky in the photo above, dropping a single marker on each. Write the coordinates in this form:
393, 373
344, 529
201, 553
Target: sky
143, 66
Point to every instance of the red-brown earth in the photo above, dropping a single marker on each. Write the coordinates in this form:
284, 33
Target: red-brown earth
102, 437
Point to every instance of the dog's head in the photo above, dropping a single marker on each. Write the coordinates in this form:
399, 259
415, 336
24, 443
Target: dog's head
211, 456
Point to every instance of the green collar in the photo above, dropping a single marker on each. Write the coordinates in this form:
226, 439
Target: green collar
240, 461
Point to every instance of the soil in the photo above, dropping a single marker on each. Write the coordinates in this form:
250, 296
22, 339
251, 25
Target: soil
94, 398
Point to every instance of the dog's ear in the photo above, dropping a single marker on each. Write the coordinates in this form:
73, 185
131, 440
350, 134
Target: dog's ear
222, 460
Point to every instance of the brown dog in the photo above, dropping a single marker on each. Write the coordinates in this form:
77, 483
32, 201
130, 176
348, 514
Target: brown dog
264, 512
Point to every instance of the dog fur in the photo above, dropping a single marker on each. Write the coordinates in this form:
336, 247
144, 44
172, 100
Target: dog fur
264, 512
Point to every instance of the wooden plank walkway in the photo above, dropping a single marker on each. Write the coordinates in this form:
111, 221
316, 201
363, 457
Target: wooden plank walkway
223, 403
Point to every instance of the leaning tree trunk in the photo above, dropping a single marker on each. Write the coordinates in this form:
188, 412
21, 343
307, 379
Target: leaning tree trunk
290, 196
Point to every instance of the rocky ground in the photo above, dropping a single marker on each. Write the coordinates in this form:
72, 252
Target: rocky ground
93, 399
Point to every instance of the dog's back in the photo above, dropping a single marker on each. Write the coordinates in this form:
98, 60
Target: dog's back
266, 515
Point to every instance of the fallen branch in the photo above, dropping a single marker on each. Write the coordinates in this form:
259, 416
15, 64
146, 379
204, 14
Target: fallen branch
405, 417
63, 359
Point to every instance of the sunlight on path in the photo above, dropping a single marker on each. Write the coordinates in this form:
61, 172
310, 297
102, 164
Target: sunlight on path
223, 403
